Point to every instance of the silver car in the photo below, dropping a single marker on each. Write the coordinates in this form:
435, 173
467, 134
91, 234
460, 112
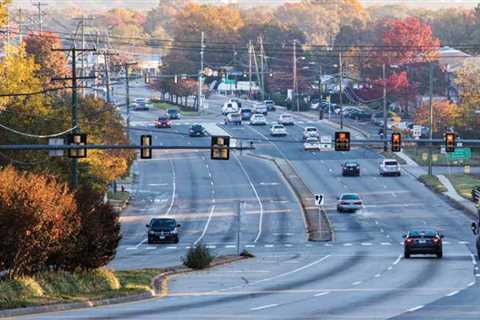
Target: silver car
389, 167
349, 202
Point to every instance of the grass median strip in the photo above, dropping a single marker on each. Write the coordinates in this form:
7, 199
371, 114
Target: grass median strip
432, 182
66, 287
464, 184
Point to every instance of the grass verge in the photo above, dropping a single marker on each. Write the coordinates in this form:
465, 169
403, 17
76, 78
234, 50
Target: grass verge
65, 287
432, 182
464, 184
442, 160
119, 195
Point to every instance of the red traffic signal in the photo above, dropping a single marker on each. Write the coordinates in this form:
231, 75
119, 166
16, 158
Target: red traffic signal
342, 141
396, 142
450, 142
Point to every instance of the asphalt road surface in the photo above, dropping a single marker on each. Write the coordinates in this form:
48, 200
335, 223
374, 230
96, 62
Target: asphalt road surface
360, 275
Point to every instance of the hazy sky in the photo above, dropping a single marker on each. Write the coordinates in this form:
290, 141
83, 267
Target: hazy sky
147, 4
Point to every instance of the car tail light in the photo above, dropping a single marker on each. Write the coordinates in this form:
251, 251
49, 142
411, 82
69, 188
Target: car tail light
409, 241
436, 240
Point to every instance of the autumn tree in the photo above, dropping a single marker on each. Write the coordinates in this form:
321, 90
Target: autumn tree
96, 242
37, 214
51, 63
468, 83
445, 115
4, 11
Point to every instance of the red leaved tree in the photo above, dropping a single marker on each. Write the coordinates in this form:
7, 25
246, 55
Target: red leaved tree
37, 215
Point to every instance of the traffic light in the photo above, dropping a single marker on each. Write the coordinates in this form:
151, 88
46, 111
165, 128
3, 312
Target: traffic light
342, 141
450, 142
396, 142
220, 148
145, 152
77, 139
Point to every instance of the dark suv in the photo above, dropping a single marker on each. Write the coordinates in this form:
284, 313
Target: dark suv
162, 230
173, 114
351, 168
423, 241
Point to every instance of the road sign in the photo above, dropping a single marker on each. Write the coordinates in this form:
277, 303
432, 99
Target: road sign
326, 143
56, 141
434, 157
319, 199
460, 154
417, 131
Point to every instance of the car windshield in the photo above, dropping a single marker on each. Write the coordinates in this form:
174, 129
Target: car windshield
421, 233
172, 111
278, 127
246, 110
163, 224
311, 129
350, 197
197, 127
285, 116
391, 163
162, 118
310, 140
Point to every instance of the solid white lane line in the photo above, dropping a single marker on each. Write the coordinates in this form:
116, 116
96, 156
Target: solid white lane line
385, 243
206, 226
230, 246
172, 248
471, 284
260, 219
264, 307
415, 309
398, 260
389, 268
174, 188
269, 246
141, 242
356, 283
462, 242
249, 246
453, 293
347, 245
473, 259
377, 275
366, 244
321, 294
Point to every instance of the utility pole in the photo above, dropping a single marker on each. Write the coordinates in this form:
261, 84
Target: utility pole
200, 73
106, 54
256, 69
295, 93
250, 69
262, 67
74, 79
385, 127
20, 24
430, 93
340, 63
39, 6
320, 110
127, 94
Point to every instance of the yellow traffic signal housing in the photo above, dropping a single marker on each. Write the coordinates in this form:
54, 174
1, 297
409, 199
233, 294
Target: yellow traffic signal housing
342, 141
220, 148
145, 152
77, 139
396, 142
450, 142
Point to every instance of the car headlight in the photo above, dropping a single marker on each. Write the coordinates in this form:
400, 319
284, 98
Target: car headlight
151, 232
174, 231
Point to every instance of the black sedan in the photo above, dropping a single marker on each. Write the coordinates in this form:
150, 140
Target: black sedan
423, 241
162, 230
351, 168
197, 130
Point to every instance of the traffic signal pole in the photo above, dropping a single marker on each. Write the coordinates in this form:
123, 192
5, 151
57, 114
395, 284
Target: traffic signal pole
74, 79
430, 92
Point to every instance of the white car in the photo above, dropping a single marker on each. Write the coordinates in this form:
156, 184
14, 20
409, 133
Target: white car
260, 108
229, 107
278, 130
258, 119
389, 167
285, 119
310, 132
311, 144
234, 118
349, 202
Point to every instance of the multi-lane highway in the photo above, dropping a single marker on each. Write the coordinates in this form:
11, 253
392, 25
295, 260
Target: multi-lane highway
360, 275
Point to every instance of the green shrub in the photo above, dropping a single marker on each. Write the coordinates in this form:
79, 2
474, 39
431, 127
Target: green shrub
198, 257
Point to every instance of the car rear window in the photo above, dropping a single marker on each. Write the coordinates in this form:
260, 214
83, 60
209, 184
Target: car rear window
246, 110
172, 111
422, 233
163, 223
350, 197
162, 118
351, 164
197, 127
391, 163
278, 127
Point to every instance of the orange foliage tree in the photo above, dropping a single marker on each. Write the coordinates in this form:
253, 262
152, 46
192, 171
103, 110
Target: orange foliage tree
445, 114
37, 215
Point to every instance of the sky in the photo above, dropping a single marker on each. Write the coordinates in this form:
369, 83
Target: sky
148, 4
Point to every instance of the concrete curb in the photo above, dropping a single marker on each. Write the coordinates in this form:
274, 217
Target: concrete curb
158, 283
74, 305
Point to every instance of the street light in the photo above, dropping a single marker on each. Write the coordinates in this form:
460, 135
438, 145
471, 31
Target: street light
340, 65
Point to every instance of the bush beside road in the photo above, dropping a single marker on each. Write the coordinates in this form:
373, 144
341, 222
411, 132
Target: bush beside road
416, 154
464, 184
433, 183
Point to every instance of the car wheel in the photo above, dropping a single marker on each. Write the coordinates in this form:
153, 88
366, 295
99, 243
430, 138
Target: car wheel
440, 254
339, 209
175, 240
399, 174
406, 254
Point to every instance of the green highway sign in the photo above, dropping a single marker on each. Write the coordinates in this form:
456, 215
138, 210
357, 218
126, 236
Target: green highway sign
229, 81
460, 154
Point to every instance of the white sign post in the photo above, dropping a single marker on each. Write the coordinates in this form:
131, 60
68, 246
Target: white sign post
319, 199
326, 143
55, 142
417, 131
